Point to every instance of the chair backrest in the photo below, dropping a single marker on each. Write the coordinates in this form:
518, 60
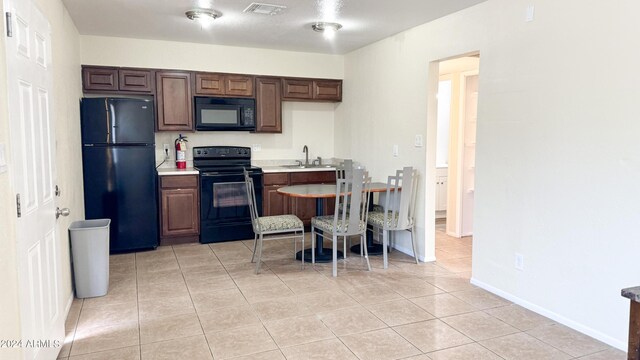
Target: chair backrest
344, 170
352, 203
400, 199
251, 197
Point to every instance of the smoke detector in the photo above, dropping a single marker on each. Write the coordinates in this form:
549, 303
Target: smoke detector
264, 9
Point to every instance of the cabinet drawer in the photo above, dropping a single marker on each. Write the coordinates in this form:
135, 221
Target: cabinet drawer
179, 181
313, 177
276, 179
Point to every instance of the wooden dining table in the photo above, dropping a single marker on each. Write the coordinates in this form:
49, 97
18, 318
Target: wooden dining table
320, 192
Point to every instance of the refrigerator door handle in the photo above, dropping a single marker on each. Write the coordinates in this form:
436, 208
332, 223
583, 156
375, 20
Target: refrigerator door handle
106, 108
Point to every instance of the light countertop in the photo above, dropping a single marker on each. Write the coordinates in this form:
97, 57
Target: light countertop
174, 171
281, 169
265, 169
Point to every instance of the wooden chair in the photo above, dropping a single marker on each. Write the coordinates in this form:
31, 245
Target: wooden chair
352, 197
287, 226
400, 209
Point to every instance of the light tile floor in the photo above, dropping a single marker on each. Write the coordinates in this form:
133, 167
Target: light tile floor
204, 302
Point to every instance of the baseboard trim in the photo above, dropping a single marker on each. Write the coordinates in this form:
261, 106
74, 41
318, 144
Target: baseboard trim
409, 252
68, 306
552, 315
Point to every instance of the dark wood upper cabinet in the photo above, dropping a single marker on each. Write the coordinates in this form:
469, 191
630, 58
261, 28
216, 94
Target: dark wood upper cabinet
224, 84
311, 89
329, 90
174, 102
99, 79
135, 80
209, 84
119, 80
238, 85
268, 105
297, 89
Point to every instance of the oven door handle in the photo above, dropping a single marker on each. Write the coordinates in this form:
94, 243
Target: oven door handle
216, 174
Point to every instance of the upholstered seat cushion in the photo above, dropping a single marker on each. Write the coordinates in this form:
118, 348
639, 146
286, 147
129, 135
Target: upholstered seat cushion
377, 207
280, 223
376, 218
325, 223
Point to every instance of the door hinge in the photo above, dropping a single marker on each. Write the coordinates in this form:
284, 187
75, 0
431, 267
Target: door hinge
9, 26
19, 207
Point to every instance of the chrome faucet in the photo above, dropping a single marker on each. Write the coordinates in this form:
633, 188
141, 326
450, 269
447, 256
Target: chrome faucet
305, 150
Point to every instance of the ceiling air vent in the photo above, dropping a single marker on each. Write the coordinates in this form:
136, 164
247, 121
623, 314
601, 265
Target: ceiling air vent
264, 9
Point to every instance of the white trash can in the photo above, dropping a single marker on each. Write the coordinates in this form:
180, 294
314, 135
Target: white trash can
90, 249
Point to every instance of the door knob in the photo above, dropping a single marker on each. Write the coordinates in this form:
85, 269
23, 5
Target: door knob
62, 212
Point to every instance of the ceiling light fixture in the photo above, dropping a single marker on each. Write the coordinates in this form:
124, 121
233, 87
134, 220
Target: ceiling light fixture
203, 16
328, 29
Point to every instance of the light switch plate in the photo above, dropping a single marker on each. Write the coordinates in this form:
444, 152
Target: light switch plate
531, 10
419, 141
3, 159
256, 147
396, 151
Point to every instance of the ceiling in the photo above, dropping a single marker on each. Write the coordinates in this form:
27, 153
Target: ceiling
364, 21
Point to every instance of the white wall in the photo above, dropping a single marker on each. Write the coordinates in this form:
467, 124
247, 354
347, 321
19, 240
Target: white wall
557, 146
100, 50
65, 105
303, 123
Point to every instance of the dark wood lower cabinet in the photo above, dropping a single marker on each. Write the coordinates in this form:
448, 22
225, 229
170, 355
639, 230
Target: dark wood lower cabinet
277, 204
179, 209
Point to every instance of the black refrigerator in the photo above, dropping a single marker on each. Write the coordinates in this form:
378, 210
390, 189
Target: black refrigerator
118, 159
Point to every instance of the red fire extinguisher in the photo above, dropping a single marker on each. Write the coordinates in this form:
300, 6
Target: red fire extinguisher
181, 152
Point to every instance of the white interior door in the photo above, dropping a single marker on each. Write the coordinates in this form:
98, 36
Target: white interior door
29, 90
469, 153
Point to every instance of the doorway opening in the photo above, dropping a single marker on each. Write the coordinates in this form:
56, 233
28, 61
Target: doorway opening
457, 103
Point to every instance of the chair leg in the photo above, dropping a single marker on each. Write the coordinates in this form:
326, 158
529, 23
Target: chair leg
313, 246
295, 244
335, 255
255, 245
385, 244
344, 246
259, 260
413, 242
294, 252
366, 252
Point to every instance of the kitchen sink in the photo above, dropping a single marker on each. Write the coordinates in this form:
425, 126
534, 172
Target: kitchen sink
310, 166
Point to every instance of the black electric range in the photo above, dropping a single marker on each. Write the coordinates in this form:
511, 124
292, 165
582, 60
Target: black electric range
224, 208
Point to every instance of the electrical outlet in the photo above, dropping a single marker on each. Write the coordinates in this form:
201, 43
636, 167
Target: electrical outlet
256, 147
519, 262
167, 151
396, 151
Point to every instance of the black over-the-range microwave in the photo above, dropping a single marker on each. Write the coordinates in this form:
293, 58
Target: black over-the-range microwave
225, 114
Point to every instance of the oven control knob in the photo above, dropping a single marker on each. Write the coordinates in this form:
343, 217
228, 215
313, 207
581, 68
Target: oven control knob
198, 152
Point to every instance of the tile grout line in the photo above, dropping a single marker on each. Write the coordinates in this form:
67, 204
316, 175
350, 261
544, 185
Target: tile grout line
204, 334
